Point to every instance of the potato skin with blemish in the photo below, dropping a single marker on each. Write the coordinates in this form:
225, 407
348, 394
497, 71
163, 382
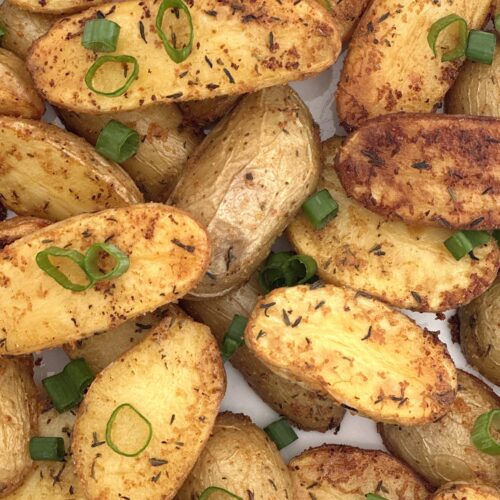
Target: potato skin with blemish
463, 490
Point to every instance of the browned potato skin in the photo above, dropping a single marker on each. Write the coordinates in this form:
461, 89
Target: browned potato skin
461, 155
203, 113
56, 6
307, 409
240, 458
18, 420
347, 14
163, 151
332, 472
465, 491
17, 227
442, 451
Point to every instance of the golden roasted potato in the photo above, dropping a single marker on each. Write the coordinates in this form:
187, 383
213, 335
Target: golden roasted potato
364, 354
332, 472
307, 409
437, 170
240, 458
480, 333
163, 151
18, 420
389, 65
56, 6
247, 179
168, 253
360, 249
347, 14
49, 173
176, 380
466, 491
18, 96
17, 227
442, 451
271, 43
203, 113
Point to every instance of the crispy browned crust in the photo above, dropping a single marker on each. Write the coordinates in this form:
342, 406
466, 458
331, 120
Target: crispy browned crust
347, 14
56, 6
203, 113
17, 227
437, 170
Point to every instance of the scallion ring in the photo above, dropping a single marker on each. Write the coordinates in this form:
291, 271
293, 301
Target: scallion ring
233, 339
3, 31
47, 448
442, 24
481, 47
299, 269
481, 435
217, 489
373, 496
496, 235
320, 208
122, 262
463, 242
117, 142
497, 23
100, 35
79, 374
281, 433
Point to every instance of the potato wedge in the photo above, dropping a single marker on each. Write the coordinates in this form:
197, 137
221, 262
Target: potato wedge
332, 472
49, 173
203, 113
17, 227
390, 66
466, 491
442, 451
168, 253
305, 41
242, 189
307, 409
361, 250
18, 420
175, 378
240, 458
364, 354
163, 151
437, 170
347, 14
56, 6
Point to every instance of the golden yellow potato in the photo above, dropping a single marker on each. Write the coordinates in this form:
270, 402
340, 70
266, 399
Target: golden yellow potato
347, 14
203, 113
466, 491
17, 227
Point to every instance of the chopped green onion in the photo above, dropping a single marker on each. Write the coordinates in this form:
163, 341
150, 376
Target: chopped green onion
177, 55
373, 496
281, 433
117, 142
442, 24
216, 489
109, 428
89, 77
299, 269
79, 374
122, 261
481, 46
3, 31
463, 242
320, 208
497, 23
496, 235
100, 35
47, 448
233, 339
481, 435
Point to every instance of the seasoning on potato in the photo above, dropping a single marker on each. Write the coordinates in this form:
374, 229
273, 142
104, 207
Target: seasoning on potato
463, 490
346, 14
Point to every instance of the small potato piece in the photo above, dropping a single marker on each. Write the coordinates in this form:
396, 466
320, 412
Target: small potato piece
18, 96
332, 472
163, 151
347, 14
175, 378
49, 173
480, 333
309, 410
361, 250
18, 420
364, 354
203, 113
437, 170
247, 179
17, 227
168, 253
465, 491
240, 458
390, 66
442, 451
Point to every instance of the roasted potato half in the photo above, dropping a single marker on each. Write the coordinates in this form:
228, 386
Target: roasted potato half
49, 173
437, 170
203, 113
163, 151
18, 420
466, 491
17, 227
361, 250
442, 451
247, 179
307, 409
240, 458
271, 44
332, 472
168, 253
377, 77
346, 14
365, 355
175, 379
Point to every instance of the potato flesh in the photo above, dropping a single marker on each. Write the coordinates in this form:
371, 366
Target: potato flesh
462, 490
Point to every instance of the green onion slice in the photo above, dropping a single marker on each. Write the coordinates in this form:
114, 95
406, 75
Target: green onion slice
497, 23
216, 489
79, 374
117, 142
281, 433
481, 435
299, 269
3, 31
463, 242
481, 46
233, 339
47, 448
100, 35
177, 55
89, 77
496, 235
320, 208
109, 430
373, 496
442, 24
122, 261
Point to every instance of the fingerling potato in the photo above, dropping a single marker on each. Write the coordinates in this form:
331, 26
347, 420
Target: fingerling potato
203, 113
437, 170
240, 458
168, 253
360, 249
247, 179
17, 227
175, 379
465, 491
442, 451
364, 354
